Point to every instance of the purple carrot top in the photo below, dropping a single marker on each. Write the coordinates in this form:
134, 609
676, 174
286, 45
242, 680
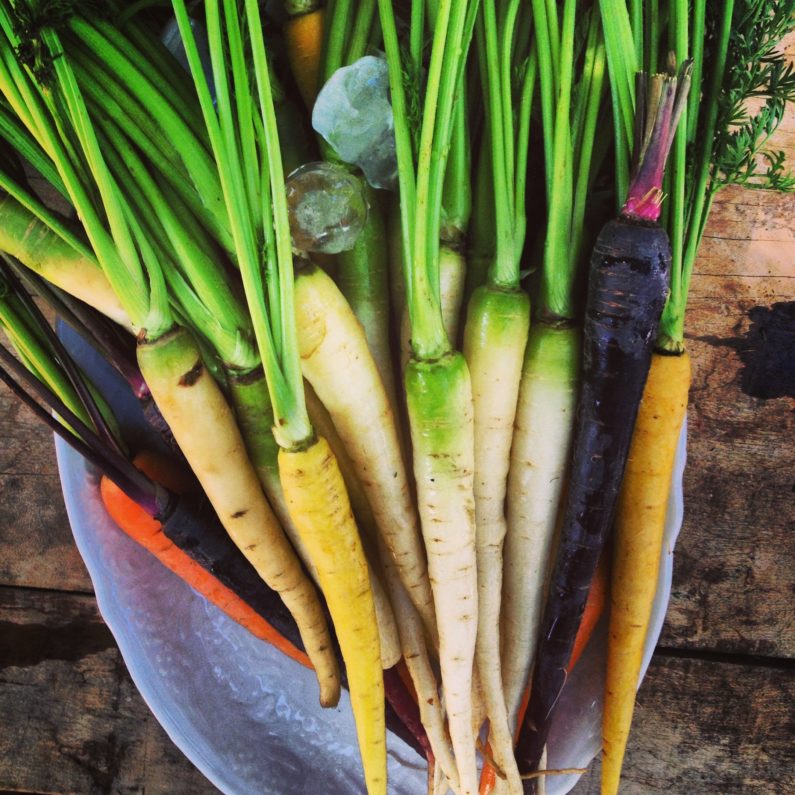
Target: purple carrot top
661, 99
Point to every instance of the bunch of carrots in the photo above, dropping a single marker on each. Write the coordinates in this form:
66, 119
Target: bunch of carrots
424, 453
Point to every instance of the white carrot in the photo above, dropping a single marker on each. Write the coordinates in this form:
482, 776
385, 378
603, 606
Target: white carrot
539, 456
494, 342
336, 360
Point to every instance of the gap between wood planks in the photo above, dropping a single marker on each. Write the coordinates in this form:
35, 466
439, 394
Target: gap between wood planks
729, 658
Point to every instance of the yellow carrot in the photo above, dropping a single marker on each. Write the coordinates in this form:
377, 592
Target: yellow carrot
387, 626
317, 500
640, 523
184, 390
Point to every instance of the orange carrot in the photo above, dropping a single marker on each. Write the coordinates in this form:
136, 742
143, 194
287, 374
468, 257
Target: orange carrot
303, 38
594, 607
488, 777
148, 532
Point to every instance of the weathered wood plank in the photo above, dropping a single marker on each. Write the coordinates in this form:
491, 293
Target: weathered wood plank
709, 728
36, 545
734, 585
74, 722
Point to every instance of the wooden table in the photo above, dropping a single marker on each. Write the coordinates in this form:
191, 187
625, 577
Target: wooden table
716, 713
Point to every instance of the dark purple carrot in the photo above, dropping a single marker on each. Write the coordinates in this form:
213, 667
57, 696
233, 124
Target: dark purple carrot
628, 283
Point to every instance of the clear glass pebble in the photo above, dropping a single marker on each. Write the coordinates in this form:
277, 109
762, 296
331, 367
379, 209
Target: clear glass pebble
327, 208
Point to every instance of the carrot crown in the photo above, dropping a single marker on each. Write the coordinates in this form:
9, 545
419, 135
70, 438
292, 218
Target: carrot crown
661, 99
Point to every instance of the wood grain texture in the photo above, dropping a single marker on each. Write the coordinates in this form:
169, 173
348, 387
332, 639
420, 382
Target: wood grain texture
704, 727
734, 582
73, 720
36, 545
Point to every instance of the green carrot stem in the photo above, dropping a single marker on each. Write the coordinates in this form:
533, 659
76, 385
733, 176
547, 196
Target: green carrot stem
584, 90
363, 278
416, 35
283, 239
556, 297
244, 130
28, 149
208, 281
680, 41
504, 271
39, 210
457, 191
507, 49
111, 46
423, 298
163, 61
174, 126
636, 12
622, 66
106, 97
452, 36
553, 31
338, 22
37, 358
360, 34
585, 157
697, 39
652, 35
522, 151
403, 138
86, 401
546, 87
480, 253
671, 331
120, 259
104, 92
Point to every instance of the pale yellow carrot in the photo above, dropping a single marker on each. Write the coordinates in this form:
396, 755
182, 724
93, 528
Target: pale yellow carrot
418, 663
498, 320
539, 456
184, 391
336, 360
37, 247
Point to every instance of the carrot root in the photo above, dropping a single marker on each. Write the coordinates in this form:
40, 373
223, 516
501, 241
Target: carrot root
640, 524
184, 390
318, 502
